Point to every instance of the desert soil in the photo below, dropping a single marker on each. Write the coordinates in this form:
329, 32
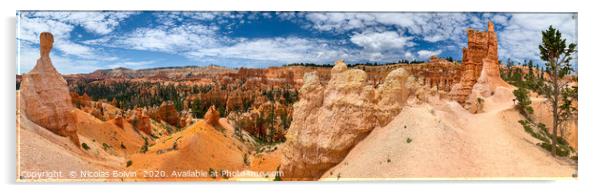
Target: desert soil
445, 141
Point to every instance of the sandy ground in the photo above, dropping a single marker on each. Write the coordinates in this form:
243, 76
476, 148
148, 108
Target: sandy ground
199, 147
40, 150
448, 142
101, 132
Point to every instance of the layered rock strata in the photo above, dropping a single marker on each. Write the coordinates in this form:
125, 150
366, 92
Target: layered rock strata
480, 53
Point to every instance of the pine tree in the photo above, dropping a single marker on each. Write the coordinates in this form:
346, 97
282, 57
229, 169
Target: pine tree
557, 55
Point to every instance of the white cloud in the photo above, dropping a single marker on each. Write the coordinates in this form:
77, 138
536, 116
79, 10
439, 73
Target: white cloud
29, 54
425, 54
62, 23
75, 49
99, 22
431, 27
132, 64
374, 37
379, 46
521, 36
408, 56
275, 50
29, 29
164, 39
380, 41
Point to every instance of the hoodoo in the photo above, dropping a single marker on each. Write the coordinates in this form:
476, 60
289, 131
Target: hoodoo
45, 96
330, 120
479, 63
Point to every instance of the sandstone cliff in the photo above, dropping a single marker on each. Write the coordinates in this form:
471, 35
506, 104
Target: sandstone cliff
329, 120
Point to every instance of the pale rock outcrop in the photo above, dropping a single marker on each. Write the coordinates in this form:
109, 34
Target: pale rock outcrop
329, 120
392, 95
45, 98
486, 85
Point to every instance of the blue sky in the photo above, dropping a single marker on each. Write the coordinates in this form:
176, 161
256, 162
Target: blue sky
87, 41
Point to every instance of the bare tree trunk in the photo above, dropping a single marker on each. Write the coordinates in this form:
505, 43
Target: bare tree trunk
555, 94
555, 128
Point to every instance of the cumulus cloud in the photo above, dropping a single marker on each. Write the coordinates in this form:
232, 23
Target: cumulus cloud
29, 54
325, 36
62, 23
425, 54
521, 36
164, 39
379, 41
275, 50
99, 22
432, 27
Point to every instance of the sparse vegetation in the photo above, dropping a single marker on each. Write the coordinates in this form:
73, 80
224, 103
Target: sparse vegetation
245, 160
175, 144
540, 132
144, 147
409, 140
105, 146
277, 177
523, 102
129, 163
85, 146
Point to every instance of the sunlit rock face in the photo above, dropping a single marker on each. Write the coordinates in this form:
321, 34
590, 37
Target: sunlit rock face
330, 120
480, 54
45, 98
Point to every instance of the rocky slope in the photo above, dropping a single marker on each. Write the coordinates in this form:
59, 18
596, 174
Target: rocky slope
446, 141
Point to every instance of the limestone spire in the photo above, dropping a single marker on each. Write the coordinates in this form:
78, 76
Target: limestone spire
490, 26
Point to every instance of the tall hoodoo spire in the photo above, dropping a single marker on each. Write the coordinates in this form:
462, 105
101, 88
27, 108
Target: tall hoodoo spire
44, 94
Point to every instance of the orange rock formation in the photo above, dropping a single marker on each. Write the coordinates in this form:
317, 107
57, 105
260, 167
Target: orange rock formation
212, 116
329, 120
480, 53
44, 93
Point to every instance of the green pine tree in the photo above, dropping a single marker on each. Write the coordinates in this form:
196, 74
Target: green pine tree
557, 55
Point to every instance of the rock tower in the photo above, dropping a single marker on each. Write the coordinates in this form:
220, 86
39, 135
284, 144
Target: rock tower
480, 53
45, 98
